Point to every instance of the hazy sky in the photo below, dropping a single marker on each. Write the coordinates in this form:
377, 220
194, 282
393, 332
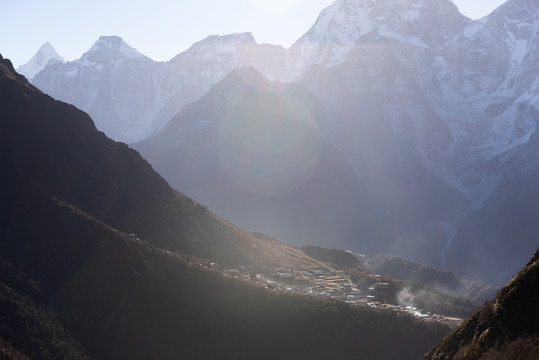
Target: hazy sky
160, 29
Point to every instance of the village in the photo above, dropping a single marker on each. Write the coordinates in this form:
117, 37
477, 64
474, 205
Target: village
336, 285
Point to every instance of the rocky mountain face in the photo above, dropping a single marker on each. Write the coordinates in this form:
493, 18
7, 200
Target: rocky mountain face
435, 113
503, 328
495, 135
45, 56
462, 102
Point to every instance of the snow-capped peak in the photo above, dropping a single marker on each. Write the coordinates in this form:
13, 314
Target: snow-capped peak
246, 37
223, 43
115, 43
45, 56
232, 46
347, 23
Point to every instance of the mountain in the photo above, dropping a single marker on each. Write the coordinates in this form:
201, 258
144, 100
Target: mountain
105, 81
503, 328
421, 274
440, 120
45, 56
434, 113
101, 258
347, 23
491, 109
211, 60
248, 150
374, 84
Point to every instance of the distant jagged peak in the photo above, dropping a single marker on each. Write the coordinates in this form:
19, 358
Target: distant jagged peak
46, 55
245, 37
117, 44
222, 43
48, 49
224, 52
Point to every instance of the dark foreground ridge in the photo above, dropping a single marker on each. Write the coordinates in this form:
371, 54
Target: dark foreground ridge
506, 327
101, 259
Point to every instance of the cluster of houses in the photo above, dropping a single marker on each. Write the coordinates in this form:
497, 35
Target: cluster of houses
312, 282
322, 282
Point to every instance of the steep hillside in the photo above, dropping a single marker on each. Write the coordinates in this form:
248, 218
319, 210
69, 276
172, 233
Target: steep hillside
89, 232
506, 327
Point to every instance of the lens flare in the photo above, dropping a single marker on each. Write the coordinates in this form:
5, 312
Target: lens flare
263, 149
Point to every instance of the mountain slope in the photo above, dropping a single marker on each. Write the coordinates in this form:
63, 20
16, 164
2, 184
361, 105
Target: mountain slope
249, 151
88, 229
504, 328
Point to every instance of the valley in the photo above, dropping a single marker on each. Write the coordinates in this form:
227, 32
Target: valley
367, 192
337, 285
432, 114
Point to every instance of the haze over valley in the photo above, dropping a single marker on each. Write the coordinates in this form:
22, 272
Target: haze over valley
379, 173
433, 113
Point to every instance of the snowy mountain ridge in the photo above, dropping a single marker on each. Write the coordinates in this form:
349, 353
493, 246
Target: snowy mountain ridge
346, 23
162, 88
115, 44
